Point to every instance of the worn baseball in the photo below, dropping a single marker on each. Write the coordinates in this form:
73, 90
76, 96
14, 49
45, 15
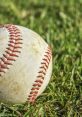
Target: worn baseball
25, 64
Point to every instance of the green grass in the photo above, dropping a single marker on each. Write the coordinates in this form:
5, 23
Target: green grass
59, 22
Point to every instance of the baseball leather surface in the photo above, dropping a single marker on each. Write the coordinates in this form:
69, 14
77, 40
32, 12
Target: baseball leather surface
25, 64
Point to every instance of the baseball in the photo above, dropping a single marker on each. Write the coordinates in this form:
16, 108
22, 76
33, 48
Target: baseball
25, 64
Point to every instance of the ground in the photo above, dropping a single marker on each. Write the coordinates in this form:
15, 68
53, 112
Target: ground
59, 22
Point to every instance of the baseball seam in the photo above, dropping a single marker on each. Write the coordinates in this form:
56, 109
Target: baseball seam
41, 75
13, 49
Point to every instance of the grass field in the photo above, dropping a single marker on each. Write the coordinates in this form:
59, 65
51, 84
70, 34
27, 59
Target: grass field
59, 22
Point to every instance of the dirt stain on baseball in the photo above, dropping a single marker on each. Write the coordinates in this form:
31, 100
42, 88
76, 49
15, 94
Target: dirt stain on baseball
16, 88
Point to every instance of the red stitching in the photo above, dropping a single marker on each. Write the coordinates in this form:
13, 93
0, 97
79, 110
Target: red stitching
13, 49
37, 84
41, 75
1, 70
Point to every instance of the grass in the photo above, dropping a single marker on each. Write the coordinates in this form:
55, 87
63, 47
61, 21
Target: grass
59, 22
